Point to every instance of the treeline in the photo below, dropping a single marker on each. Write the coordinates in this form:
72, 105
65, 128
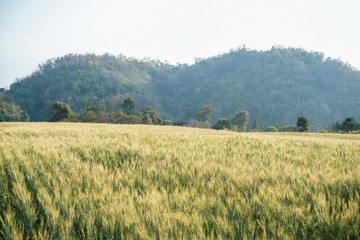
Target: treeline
61, 112
96, 114
11, 112
274, 86
348, 125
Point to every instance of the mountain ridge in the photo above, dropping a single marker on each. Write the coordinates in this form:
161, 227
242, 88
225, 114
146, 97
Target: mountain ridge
275, 86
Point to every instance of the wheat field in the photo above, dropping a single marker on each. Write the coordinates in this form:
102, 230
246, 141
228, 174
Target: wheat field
98, 181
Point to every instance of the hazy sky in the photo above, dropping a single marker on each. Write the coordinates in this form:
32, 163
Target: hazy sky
174, 30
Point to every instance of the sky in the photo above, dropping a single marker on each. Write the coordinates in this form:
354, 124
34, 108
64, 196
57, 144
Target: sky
177, 31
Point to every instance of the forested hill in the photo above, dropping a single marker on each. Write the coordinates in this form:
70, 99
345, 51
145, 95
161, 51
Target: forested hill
274, 86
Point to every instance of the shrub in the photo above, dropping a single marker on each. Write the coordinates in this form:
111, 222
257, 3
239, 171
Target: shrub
272, 129
222, 123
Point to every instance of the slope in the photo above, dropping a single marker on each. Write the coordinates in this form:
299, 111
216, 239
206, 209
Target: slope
275, 86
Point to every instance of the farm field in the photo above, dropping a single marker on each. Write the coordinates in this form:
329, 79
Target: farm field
98, 181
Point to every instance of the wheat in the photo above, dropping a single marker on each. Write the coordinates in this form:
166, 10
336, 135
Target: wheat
93, 181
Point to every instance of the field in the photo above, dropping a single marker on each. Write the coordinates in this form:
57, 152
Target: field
93, 181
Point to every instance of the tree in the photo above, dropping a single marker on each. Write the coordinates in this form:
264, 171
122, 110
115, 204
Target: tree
198, 124
61, 111
129, 105
286, 128
240, 120
95, 109
303, 122
272, 129
153, 114
222, 123
123, 118
206, 111
11, 112
255, 126
349, 124
88, 116
336, 127
147, 119
24, 116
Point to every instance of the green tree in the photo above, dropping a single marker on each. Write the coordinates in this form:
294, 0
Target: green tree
255, 126
222, 123
11, 112
272, 129
24, 116
129, 105
240, 120
206, 111
61, 111
349, 124
88, 116
123, 118
286, 128
95, 109
303, 122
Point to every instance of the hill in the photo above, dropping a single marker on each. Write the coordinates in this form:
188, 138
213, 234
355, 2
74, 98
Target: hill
274, 86
101, 181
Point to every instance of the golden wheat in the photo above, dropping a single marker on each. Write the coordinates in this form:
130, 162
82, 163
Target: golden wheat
93, 181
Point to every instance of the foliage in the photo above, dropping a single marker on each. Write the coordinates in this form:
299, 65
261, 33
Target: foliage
9, 111
348, 125
206, 111
168, 122
129, 105
88, 116
303, 122
77, 181
95, 114
153, 114
95, 109
286, 128
274, 86
255, 127
61, 111
123, 118
147, 119
222, 123
272, 129
195, 123
240, 120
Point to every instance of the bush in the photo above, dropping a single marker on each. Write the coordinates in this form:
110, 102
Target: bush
272, 129
222, 123
198, 124
123, 118
287, 128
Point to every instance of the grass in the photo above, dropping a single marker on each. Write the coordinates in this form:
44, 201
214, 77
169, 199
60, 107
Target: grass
94, 181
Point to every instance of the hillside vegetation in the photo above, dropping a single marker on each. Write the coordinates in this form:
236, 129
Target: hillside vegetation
274, 86
67, 181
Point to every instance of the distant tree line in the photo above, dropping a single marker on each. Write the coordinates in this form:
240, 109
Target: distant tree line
348, 125
274, 86
10, 111
61, 112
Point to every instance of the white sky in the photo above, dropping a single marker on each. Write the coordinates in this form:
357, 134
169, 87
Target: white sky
174, 30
